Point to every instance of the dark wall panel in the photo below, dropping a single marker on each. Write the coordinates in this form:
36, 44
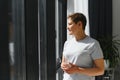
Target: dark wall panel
4, 51
31, 39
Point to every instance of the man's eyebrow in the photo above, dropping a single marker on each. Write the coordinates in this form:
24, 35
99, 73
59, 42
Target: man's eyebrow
69, 22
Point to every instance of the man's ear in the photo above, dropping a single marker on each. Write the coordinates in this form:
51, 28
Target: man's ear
79, 23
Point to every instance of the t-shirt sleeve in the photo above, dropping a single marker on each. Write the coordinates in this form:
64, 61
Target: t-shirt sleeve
97, 51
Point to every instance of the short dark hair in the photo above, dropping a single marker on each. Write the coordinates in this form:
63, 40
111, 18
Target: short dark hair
76, 17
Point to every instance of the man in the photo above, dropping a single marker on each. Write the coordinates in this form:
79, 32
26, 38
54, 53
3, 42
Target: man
82, 56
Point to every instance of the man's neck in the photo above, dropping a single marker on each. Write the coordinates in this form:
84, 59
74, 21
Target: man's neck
80, 36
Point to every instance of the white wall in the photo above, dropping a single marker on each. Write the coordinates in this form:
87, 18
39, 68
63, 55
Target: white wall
116, 17
116, 29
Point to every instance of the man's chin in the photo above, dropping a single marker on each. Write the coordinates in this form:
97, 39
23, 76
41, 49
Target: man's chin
70, 34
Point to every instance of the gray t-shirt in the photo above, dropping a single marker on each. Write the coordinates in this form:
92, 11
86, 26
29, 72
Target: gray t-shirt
82, 53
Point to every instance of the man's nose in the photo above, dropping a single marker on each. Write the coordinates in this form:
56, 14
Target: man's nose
68, 27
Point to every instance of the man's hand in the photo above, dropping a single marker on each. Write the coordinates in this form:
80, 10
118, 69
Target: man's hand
69, 68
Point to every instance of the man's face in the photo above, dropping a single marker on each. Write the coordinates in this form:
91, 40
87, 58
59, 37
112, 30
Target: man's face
72, 27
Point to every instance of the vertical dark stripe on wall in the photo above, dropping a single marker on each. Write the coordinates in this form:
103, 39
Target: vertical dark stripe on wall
47, 39
4, 51
100, 15
42, 41
100, 18
50, 24
19, 39
62, 24
62, 10
31, 36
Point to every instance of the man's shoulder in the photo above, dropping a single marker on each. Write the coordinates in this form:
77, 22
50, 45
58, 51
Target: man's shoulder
93, 40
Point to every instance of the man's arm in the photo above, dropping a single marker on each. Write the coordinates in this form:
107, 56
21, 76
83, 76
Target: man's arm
98, 69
